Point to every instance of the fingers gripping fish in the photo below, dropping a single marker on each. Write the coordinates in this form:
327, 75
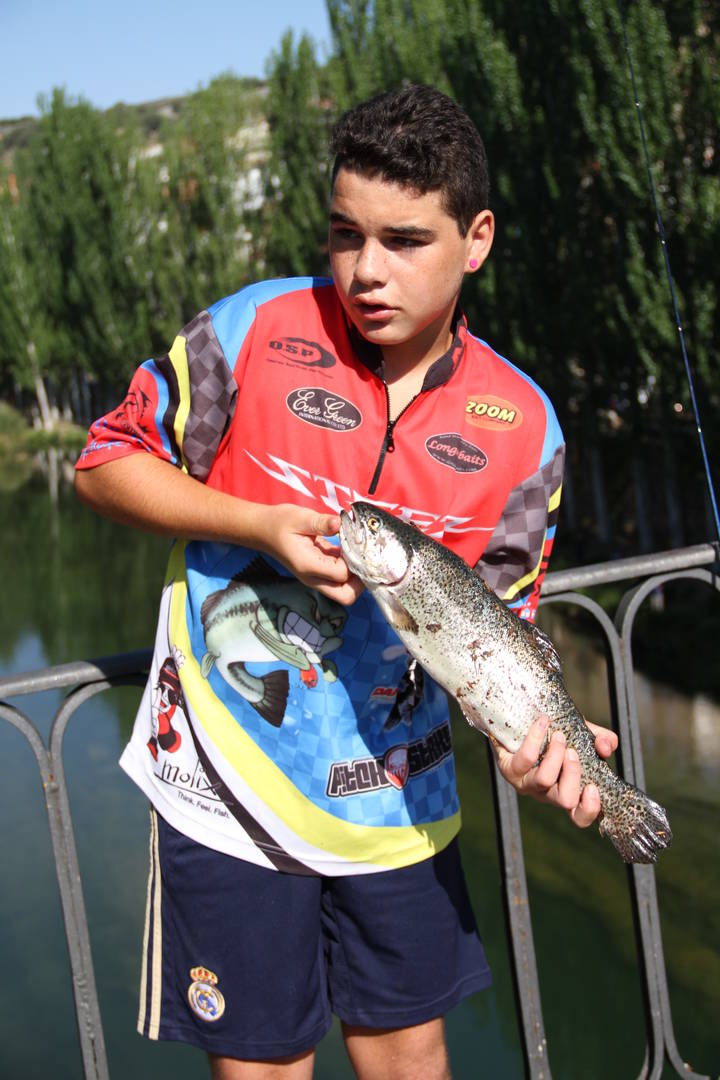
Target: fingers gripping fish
502, 671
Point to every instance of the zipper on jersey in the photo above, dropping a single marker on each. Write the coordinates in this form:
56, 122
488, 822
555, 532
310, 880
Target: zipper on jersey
388, 444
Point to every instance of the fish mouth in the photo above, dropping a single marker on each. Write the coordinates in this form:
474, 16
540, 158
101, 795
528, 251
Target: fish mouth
302, 633
353, 542
352, 539
351, 530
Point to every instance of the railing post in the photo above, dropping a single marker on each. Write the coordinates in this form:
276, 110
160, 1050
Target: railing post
517, 916
67, 870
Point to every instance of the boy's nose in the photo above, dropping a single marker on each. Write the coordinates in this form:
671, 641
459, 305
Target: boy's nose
371, 267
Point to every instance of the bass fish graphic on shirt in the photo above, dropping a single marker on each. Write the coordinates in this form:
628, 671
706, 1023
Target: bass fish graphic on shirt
261, 616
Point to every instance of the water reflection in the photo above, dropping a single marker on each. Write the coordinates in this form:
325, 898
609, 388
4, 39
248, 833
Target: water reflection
94, 590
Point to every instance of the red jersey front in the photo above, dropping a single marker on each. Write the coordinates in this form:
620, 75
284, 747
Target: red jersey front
287, 726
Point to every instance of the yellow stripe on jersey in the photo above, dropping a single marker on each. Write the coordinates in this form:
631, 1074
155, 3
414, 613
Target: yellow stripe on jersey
178, 359
528, 579
386, 846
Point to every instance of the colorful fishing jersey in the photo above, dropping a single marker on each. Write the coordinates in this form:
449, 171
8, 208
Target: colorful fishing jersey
277, 725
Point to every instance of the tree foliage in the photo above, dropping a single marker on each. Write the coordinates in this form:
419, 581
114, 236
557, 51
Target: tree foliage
297, 172
575, 290
109, 242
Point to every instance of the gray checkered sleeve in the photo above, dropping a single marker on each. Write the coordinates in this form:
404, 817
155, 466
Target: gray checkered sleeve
213, 393
516, 546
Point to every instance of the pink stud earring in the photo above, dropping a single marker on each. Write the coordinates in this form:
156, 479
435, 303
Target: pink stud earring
473, 264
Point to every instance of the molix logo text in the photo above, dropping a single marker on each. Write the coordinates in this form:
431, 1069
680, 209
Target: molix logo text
179, 777
393, 769
492, 413
316, 406
455, 452
300, 351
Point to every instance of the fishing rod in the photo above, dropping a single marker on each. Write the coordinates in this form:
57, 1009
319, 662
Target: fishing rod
676, 310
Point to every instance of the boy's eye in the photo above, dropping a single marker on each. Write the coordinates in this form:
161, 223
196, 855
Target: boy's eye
345, 235
405, 241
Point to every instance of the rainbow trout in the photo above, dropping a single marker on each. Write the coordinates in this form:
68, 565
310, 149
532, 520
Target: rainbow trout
502, 671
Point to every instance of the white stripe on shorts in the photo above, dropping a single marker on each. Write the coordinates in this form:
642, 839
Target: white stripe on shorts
153, 920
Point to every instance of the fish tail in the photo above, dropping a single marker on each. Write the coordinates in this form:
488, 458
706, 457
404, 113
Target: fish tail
635, 824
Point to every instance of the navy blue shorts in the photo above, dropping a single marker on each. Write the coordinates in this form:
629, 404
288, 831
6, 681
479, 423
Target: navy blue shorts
250, 963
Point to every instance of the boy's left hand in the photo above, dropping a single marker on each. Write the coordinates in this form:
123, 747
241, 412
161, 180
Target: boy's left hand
556, 778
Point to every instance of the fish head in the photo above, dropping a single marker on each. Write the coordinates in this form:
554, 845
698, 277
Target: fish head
373, 546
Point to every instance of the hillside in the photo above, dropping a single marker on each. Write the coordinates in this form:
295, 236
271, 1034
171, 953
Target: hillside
149, 115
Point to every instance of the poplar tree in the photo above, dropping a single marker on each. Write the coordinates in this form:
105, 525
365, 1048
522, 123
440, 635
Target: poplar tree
199, 245
72, 279
575, 290
25, 332
298, 111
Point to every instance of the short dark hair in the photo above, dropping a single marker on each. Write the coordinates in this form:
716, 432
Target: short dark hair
419, 137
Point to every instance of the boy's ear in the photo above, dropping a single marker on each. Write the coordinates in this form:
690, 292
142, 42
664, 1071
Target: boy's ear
480, 239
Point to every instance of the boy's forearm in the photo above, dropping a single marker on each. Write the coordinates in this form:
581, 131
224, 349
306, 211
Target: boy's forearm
149, 493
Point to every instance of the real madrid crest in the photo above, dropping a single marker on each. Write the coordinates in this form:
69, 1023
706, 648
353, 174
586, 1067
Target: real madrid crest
204, 998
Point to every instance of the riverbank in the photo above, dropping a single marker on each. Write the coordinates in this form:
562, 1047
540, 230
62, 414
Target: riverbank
25, 450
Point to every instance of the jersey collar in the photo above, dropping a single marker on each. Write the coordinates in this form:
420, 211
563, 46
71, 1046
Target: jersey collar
439, 371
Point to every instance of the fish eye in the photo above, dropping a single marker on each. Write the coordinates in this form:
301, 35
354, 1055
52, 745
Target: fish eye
373, 523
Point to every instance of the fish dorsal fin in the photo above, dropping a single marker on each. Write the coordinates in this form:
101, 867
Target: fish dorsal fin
257, 572
545, 645
396, 614
209, 604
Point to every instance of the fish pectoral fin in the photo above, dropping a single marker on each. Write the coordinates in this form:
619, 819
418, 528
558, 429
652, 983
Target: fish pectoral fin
207, 662
545, 645
286, 651
396, 613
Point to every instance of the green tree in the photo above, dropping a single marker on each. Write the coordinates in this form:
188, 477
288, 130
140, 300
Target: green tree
25, 332
198, 244
73, 290
575, 290
294, 217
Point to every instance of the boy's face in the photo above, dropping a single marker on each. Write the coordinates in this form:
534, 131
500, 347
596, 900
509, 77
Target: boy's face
398, 261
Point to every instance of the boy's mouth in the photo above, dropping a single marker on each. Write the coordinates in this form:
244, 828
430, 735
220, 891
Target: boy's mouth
373, 311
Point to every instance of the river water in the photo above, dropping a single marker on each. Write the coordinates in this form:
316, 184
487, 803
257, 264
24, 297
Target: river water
75, 586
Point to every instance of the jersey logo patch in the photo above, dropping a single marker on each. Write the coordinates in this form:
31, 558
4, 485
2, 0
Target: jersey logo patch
315, 405
299, 351
204, 998
396, 766
492, 413
457, 453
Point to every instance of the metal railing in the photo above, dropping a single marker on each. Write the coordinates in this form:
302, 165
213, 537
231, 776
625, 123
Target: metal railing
84, 680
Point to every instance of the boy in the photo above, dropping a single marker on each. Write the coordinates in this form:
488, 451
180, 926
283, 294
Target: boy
304, 821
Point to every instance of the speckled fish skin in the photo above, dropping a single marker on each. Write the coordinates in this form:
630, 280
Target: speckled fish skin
503, 672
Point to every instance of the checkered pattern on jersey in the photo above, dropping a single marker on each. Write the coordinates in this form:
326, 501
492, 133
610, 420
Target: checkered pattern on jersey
516, 545
212, 395
336, 720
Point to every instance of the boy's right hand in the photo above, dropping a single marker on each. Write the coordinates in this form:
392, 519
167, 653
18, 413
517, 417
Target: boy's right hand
296, 537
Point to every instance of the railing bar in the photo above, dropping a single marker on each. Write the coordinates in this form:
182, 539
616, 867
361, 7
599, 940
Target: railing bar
76, 925
26, 727
519, 925
642, 878
87, 1011
94, 676
80, 671
652, 997
626, 569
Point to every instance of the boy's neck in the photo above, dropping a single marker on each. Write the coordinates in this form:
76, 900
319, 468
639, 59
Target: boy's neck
420, 353
407, 364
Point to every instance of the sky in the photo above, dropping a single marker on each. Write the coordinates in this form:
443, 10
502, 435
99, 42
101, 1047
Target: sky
140, 50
